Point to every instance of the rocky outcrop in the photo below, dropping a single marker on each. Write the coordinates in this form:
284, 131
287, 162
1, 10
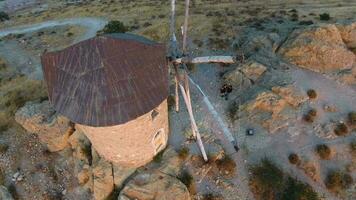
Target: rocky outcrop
348, 34
5, 194
245, 75
275, 109
158, 186
52, 129
149, 184
320, 49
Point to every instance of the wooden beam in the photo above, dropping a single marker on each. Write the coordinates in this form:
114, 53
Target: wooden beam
176, 91
194, 125
185, 26
206, 59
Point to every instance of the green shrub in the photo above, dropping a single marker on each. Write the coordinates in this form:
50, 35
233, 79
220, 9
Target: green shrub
352, 117
4, 16
312, 94
323, 151
293, 158
341, 129
324, 17
296, 190
114, 27
337, 181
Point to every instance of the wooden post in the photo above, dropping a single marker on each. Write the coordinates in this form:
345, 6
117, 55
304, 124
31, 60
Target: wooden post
194, 125
176, 91
185, 26
187, 91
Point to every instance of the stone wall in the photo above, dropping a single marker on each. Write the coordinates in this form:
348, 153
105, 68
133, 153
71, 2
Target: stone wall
134, 143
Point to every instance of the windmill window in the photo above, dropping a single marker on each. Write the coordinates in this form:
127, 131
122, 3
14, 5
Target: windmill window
158, 140
154, 114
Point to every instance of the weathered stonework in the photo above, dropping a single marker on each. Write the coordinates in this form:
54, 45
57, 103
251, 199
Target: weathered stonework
134, 143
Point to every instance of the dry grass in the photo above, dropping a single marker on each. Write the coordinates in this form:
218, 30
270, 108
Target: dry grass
337, 181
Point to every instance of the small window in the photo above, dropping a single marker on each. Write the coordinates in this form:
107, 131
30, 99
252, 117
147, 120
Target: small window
154, 114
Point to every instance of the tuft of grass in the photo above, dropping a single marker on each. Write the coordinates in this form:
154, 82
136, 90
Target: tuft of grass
293, 158
186, 178
226, 164
183, 153
323, 151
341, 129
312, 94
324, 17
337, 181
171, 101
352, 117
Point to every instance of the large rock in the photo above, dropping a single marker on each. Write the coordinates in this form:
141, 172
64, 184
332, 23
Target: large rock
348, 34
52, 129
320, 49
158, 186
292, 95
253, 70
236, 79
103, 180
5, 194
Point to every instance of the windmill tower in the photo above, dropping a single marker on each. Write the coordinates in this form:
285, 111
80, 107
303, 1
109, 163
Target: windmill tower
179, 59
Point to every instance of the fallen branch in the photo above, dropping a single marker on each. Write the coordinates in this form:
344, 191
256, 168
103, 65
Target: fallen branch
206, 59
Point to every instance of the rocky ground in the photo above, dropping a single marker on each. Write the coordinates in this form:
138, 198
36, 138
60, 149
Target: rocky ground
283, 52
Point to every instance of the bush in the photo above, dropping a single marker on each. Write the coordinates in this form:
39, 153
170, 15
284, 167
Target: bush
268, 182
337, 181
296, 190
183, 153
232, 111
312, 94
324, 17
323, 151
293, 158
310, 116
341, 129
114, 27
352, 118
4, 16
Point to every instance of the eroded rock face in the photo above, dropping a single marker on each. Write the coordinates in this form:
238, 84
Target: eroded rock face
156, 186
320, 49
52, 129
348, 34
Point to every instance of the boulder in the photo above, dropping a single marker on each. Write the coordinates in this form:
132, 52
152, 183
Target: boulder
253, 70
236, 79
121, 174
171, 163
52, 129
319, 49
5, 194
157, 185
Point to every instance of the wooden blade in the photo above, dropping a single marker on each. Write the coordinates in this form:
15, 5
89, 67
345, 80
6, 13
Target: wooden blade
206, 59
173, 42
185, 26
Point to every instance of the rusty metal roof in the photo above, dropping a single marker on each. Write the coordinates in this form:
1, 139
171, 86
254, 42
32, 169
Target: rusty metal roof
107, 80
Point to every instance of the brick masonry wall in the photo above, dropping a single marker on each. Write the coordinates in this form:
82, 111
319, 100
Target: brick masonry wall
134, 143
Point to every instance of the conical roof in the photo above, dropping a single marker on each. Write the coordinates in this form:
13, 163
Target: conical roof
107, 80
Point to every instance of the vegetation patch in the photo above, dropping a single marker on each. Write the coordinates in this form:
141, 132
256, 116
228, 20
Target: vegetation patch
186, 178
352, 118
232, 111
4, 16
310, 116
337, 181
312, 94
268, 182
323, 151
341, 129
226, 165
294, 159
324, 17
212, 196
114, 27
183, 153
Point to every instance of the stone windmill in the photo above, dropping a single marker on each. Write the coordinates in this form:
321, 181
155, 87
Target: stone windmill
179, 59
